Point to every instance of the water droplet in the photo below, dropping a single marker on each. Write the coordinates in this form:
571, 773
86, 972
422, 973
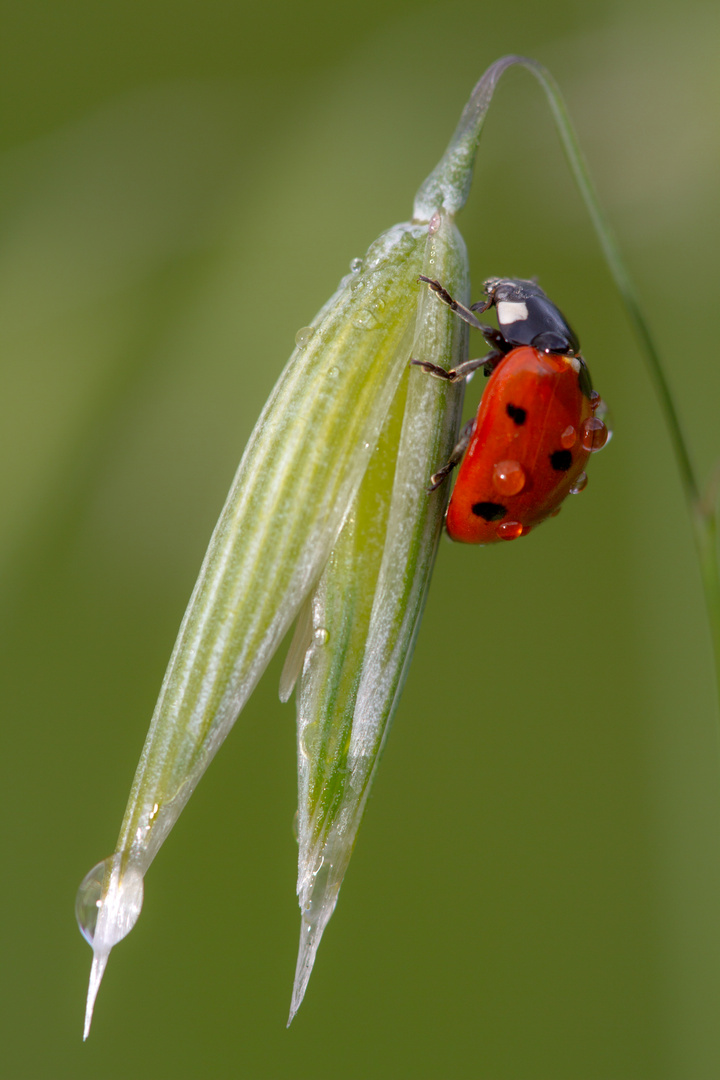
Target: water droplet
303, 336
509, 530
508, 477
356, 266
568, 437
595, 400
333, 373
434, 223
357, 283
594, 434
580, 484
308, 740
89, 901
603, 413
321, 636
103, 888
365, 320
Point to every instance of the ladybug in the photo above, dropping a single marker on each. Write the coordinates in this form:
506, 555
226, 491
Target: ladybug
527, 448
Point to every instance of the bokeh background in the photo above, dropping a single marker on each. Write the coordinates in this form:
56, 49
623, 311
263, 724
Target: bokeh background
535, 894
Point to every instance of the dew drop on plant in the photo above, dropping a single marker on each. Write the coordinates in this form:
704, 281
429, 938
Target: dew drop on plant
356, 266
365, 320
321, 636
89, 901
434, 223
101, 888
308, 740
303, 336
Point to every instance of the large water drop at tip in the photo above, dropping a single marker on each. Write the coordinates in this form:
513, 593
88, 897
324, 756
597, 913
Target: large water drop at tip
110, 900
107, 907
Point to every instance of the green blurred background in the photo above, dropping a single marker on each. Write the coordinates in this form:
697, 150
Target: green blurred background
536, 890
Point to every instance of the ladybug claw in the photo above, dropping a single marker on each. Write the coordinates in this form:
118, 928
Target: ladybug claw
436, 480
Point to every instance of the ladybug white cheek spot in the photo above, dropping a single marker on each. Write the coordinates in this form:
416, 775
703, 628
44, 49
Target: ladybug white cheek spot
511, 311
574, 363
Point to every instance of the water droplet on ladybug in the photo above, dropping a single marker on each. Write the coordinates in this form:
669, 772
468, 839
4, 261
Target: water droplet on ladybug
355, 266
594, 434
508, 477
303, 336
580, 484
595, 400
509, 530
603, 413
568, 437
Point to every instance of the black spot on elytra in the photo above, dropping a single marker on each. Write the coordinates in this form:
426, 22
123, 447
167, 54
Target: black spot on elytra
489, 511
516, 414
584, 380
561, 460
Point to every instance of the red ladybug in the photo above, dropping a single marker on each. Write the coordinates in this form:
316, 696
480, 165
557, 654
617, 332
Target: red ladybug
535, 428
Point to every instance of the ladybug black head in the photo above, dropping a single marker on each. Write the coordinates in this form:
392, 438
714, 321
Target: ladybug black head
527, 317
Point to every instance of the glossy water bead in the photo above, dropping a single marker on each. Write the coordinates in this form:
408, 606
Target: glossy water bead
508, 478
102, 889
107, 907
594, 434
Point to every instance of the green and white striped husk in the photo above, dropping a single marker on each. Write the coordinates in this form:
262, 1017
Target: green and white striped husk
329, 518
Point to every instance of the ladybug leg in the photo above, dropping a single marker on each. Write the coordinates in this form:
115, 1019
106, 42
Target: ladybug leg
459, 309
483, 305
458, 450
495, 339
462, 371
489, 363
